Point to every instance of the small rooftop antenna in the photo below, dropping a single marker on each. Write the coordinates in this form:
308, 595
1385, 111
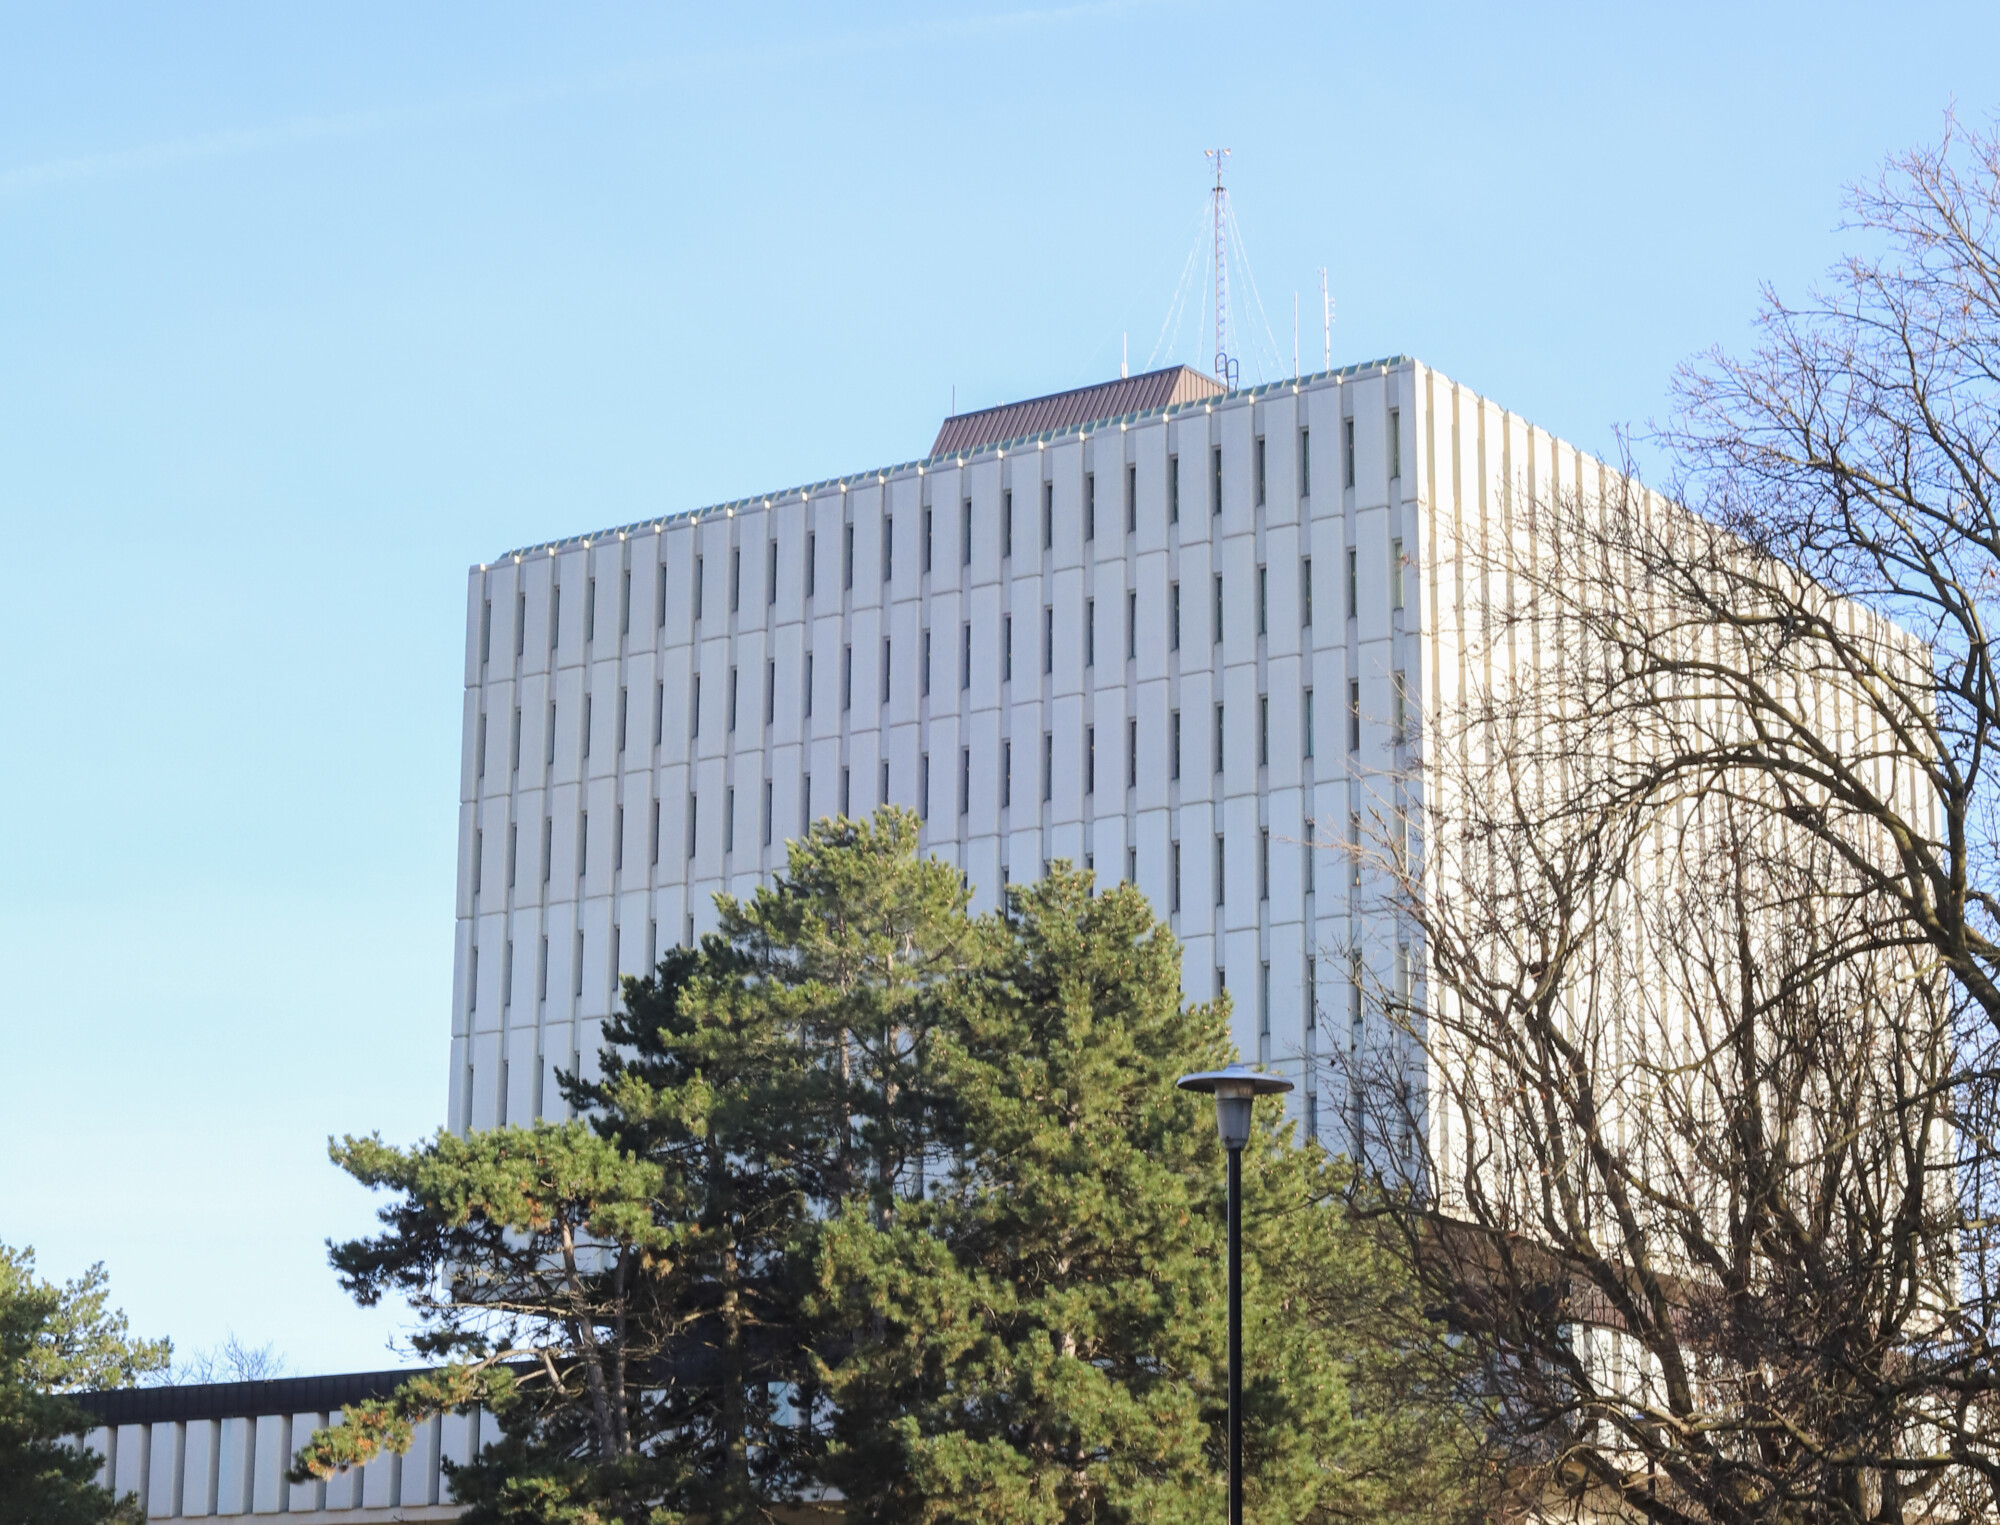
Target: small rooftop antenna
1225, 368
1326, 314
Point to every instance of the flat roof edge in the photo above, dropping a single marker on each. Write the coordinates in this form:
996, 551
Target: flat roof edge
881, 474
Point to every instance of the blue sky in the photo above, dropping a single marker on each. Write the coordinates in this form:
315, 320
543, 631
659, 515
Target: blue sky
303, 310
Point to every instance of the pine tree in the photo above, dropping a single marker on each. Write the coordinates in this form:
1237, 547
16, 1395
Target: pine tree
56, 1340
861, 945
1041, 1339
532, 1258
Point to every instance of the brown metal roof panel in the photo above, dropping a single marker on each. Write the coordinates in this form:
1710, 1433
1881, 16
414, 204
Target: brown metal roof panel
1069, 410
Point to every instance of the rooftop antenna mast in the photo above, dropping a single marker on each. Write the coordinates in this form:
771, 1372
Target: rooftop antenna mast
1326, 315
1225, 368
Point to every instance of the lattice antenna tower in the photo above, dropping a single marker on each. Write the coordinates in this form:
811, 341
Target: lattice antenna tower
1225, 367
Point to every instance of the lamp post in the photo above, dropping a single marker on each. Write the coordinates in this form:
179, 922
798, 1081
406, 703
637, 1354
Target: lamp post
1234, 1089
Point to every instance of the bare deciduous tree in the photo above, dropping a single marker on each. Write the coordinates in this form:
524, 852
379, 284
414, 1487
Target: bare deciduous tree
1708, 911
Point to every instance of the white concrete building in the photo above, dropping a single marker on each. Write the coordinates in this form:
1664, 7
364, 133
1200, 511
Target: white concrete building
1172, 636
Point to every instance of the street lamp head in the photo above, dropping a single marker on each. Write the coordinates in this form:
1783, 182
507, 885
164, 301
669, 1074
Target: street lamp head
1234, 1088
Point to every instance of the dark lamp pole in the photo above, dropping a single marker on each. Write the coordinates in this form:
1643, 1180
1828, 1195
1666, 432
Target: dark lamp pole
1234, 1089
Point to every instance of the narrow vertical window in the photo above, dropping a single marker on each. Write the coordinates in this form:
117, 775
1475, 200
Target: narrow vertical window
1090, 632
889, 547
1131, 626
1048, 639
1090, 759
1395, 574
1221, 874
732, 699
965, 656
485, 632
660, 598
1218, 608
808, 685
549, 737
478, 860
587, 704
1310, 865
1006, 774
1007, 522
700, 584
653, 850
694, 808
514, 744
582, 844
770, 692
1263, 600
618, 839
846, 678
1215, 503
1347, 449
1264, 1001
590, 610
735, 579
847, 556
1048, 765
472, 982
1174, 871
1398, 715
1089, 505
882, 794
1395, 444
771, 573
542, 973
729, 819
1354, 714
1173, 489
479, 749
924, 662
1218, 738
624, 704
1131, 754
885, 670
1309, 722
1174, 744
1007, 648
765, 830
1131, 500
659, 711
1305, 463
520, 623
812, 562
555, 613
625, 603
1264, 865
1306, 591
694, 707
964, 780
1354, 847
1048, 515
577, 963
1263, 730
965, 533
927, 553
923, 786
548, 847
1353, 584
846, 793
1173, 616
1261, 489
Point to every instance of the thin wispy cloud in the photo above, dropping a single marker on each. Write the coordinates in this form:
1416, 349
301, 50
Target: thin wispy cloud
194, 148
